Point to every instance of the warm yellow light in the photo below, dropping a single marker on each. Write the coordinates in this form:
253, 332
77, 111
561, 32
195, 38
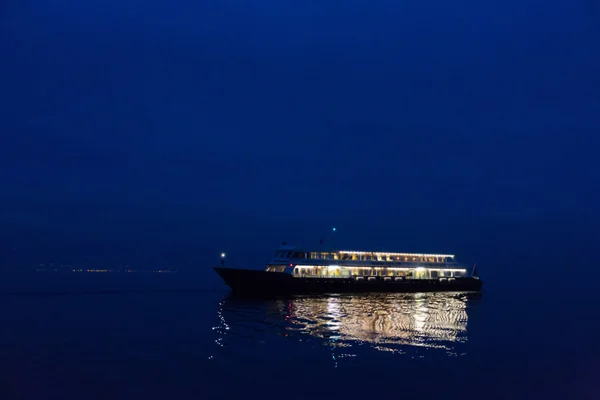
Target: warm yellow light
388, 268
396, 254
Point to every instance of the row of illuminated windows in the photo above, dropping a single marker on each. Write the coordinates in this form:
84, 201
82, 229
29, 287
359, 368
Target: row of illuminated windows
324, 271
374, 257
358, 257
408, 274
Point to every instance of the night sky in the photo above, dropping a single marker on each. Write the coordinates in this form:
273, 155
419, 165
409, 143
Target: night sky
157, 132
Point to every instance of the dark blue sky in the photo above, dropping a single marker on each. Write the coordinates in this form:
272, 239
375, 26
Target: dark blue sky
151, 132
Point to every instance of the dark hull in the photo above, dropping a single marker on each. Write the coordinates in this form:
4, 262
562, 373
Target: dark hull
252, 282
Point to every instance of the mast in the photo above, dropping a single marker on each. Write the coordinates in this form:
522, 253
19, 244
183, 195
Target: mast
327, 236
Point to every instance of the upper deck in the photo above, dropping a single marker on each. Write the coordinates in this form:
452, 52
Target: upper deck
291, 255
370, 264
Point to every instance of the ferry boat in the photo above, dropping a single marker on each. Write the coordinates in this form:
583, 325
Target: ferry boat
297, 271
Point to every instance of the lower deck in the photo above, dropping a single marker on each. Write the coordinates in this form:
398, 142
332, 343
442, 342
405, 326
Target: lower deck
368, 272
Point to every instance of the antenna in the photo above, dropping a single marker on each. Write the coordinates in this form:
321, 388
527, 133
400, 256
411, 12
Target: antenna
327, 236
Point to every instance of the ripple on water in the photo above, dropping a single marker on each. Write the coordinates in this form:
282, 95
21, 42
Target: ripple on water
393, 323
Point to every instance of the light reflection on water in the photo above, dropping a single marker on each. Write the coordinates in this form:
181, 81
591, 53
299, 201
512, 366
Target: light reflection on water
396, 323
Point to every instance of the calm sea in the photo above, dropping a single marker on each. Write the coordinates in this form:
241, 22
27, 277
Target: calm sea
181, 337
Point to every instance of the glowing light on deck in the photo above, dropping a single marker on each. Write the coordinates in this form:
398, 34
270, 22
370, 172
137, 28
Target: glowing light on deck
388, 268
395, 254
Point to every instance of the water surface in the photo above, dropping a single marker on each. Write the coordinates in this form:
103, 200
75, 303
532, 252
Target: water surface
204, 343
